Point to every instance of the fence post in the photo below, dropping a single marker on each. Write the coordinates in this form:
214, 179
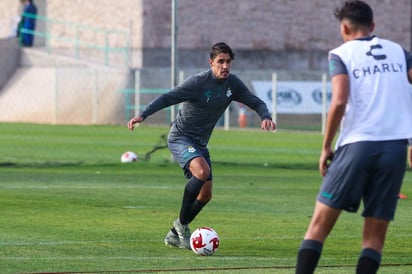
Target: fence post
47, 36
56, 96
129, 47
227, 118
76, 43
137, 92
173, 108
274, 96
324, 102
106, 48
96, 97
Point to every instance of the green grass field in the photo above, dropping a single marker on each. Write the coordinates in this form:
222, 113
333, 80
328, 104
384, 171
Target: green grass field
69, 205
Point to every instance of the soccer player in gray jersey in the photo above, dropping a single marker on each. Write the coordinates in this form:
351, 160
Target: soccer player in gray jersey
372, 101
205, 97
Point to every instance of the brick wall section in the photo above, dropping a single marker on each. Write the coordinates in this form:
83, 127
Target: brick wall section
278, 34
118, 15
278, 24
304, 28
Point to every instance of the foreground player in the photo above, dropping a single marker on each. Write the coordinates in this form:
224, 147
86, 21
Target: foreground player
372, 97
206, 95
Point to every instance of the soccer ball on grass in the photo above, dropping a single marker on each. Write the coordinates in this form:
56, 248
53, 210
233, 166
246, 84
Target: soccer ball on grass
128, 157
204, 241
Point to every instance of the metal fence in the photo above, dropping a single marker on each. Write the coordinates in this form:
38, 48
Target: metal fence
83, 41
301, 103
64, 95
302, 98
96, 95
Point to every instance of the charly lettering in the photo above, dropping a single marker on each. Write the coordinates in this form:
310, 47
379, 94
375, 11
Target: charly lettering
381, 68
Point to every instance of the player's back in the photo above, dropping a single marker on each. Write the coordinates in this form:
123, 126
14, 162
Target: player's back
380, 97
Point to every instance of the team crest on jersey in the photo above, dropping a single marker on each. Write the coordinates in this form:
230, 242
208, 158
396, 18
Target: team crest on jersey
228, 93
191, 149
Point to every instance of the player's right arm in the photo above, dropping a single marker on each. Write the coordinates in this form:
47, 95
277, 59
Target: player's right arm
340, 95
175, 96
133, 121
157, 104
161, 102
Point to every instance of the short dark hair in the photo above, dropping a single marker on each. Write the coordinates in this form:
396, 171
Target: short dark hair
356, 11
221, 47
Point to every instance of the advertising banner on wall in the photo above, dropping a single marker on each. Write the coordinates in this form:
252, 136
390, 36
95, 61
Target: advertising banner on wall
294, 97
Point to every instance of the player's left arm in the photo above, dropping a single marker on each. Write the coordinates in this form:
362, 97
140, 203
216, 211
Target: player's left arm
268, 124
261, 109
245, 96
410, 75
408, 57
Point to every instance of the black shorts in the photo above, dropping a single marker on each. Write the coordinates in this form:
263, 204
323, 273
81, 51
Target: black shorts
184, 150
369, 171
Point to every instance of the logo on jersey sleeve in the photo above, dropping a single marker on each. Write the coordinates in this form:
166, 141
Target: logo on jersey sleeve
332, 66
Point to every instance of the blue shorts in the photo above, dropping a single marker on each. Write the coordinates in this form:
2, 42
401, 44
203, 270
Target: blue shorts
184, 150
369, 171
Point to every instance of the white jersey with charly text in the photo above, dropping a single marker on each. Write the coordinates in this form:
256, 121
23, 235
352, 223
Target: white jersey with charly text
379, 107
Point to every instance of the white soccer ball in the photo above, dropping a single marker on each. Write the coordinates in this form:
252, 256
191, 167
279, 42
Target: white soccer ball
204, 241
128, 157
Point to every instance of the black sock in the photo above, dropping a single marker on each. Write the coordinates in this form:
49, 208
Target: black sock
196, 208
192, 189
308, 256
369, 261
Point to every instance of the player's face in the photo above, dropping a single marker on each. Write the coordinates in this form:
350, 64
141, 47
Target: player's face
220, 65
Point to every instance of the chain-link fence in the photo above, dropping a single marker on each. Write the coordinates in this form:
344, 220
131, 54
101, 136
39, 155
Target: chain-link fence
64, 95
53, 91
301, 101
95, 95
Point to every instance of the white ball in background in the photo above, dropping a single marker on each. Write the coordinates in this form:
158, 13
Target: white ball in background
128, 157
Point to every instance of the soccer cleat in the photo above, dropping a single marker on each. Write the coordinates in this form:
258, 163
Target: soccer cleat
172, 239
183, 233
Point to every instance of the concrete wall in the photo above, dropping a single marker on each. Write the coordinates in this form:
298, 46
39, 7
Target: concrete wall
9, 59
57, 90
9, 17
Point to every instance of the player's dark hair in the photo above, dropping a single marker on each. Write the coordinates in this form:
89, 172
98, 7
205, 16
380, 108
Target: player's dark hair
219, 48
356, 11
